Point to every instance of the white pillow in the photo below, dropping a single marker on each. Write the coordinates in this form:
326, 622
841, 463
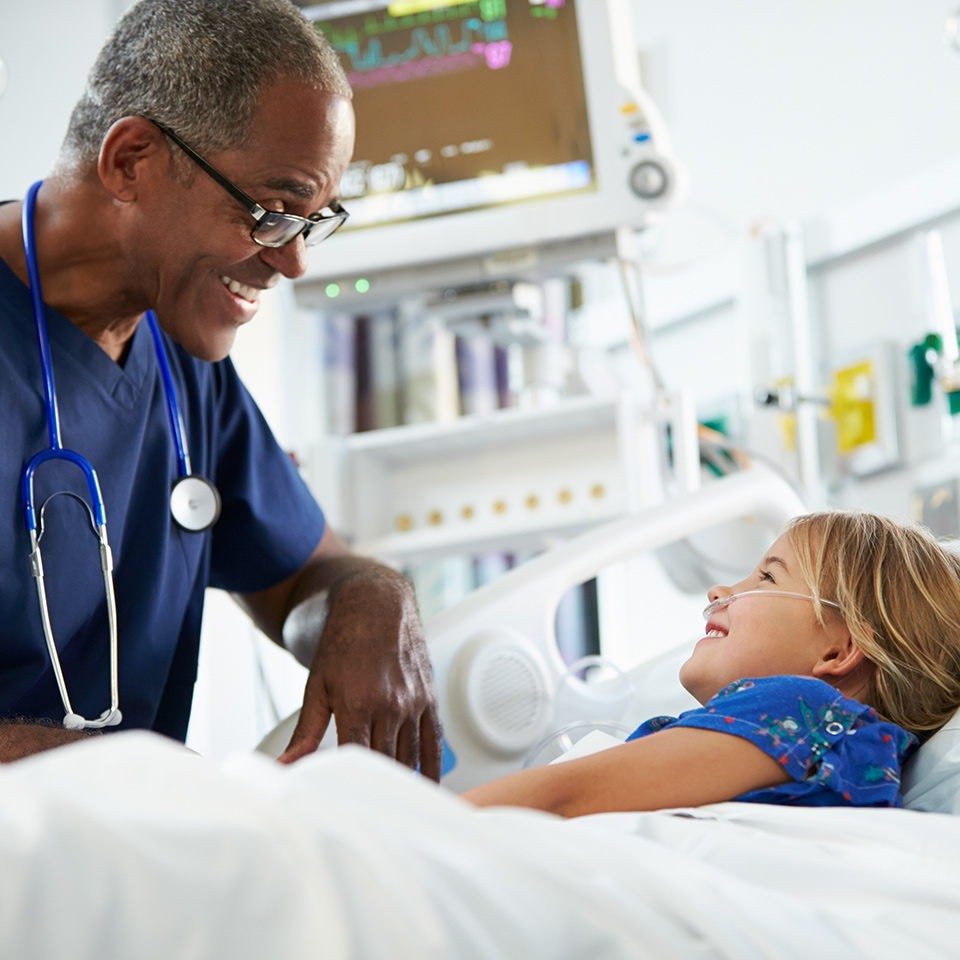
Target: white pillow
931, 777
656, 688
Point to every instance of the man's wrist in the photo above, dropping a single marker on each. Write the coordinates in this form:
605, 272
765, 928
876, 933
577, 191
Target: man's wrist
23, 737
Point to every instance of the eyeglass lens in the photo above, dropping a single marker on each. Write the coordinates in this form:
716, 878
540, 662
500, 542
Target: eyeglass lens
276, 229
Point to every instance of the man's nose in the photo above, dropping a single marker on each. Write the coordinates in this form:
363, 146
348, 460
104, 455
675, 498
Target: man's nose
290, 259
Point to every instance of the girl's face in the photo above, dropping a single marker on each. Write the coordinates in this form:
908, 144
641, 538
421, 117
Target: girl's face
760, 636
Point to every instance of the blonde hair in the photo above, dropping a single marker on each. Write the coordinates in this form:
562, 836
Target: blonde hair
899, 592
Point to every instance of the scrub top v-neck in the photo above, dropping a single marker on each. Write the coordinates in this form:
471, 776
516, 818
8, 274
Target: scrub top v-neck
116, 418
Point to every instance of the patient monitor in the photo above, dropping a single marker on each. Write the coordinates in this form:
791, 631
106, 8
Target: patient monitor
488, 131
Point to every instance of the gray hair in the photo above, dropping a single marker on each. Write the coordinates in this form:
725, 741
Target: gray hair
199, 67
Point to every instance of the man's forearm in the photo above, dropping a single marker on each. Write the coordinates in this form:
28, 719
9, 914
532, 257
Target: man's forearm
23, 738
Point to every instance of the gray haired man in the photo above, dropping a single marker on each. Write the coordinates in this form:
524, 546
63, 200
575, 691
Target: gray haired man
203, 157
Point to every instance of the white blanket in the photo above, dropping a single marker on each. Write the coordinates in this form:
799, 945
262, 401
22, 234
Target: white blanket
130, 847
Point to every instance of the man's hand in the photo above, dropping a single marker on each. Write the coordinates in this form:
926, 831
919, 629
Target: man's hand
355, 622
371, 670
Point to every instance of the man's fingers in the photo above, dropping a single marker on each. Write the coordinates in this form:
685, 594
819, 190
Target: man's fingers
383, 736
309, 731
431, 745
353, 731
408, 744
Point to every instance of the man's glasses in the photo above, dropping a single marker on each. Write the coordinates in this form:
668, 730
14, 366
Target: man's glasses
271, 229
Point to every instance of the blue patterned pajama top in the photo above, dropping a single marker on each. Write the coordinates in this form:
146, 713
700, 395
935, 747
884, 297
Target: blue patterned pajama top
838, 751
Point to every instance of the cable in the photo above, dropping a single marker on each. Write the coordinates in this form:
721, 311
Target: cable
640, 337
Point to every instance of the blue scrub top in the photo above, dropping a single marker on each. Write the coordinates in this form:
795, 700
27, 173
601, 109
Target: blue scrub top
116, 418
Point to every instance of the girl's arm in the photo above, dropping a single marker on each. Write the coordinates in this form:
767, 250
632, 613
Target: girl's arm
680, 767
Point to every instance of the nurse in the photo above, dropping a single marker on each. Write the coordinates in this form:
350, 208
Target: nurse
203, 157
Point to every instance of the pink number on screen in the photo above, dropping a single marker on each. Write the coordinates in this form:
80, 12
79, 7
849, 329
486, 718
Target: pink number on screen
498, 54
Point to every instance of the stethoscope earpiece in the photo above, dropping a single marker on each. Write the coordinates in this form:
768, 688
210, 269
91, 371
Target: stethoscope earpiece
109, 718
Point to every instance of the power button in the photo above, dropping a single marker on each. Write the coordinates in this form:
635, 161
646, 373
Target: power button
649, 180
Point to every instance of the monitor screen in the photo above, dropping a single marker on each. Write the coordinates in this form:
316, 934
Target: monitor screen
493, 138
460, 105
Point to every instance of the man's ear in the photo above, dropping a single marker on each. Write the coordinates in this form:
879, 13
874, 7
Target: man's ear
132, 148
841, 657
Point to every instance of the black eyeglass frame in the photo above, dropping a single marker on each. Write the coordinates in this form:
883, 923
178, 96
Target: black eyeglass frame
263, 217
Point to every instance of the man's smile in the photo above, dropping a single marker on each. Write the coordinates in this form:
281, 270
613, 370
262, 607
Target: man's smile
250, 294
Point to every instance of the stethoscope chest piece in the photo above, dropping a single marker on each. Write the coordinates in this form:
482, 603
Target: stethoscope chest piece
194, 503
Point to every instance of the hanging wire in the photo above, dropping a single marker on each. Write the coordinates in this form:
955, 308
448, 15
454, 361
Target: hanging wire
642, 343
640, 335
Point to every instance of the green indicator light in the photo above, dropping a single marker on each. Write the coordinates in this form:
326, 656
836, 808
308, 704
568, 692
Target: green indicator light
332, 290
362, 286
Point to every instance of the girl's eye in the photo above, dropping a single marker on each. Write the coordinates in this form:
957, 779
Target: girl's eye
766, 577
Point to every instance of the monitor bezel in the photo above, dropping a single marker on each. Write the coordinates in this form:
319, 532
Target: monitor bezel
612, 85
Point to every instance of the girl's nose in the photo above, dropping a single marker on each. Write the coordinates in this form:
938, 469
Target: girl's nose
717, 591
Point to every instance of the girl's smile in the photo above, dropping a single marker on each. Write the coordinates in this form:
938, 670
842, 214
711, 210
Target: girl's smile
762, 626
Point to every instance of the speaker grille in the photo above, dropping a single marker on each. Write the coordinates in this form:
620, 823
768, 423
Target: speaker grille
510, 694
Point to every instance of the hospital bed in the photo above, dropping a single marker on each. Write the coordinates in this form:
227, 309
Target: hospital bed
129, 846
495, 655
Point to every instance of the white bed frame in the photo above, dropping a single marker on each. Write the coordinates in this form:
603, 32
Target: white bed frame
495, 655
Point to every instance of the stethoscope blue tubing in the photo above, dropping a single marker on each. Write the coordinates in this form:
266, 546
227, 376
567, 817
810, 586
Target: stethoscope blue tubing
196, 509
170, 395
56, 450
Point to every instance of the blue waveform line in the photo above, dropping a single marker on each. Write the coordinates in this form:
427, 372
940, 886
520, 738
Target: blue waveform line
422, 44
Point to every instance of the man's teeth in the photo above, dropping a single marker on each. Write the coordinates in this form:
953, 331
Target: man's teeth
241, 289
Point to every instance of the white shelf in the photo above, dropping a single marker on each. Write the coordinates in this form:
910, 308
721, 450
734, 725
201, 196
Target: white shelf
511, 480
399, 444
512, 538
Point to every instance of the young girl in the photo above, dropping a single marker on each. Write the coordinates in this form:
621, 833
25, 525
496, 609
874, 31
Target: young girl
819, 674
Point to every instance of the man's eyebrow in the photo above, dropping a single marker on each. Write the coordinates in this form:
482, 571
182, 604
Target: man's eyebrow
769, 561
303, 189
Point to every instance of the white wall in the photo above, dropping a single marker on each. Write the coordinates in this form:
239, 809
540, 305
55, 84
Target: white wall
48, 46
788, 108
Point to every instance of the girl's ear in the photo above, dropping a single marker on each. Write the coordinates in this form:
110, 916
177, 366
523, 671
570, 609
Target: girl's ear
841, 658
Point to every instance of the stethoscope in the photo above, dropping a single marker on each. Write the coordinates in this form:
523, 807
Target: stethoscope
194, 501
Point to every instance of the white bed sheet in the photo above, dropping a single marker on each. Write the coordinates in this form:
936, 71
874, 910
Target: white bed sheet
128, 846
